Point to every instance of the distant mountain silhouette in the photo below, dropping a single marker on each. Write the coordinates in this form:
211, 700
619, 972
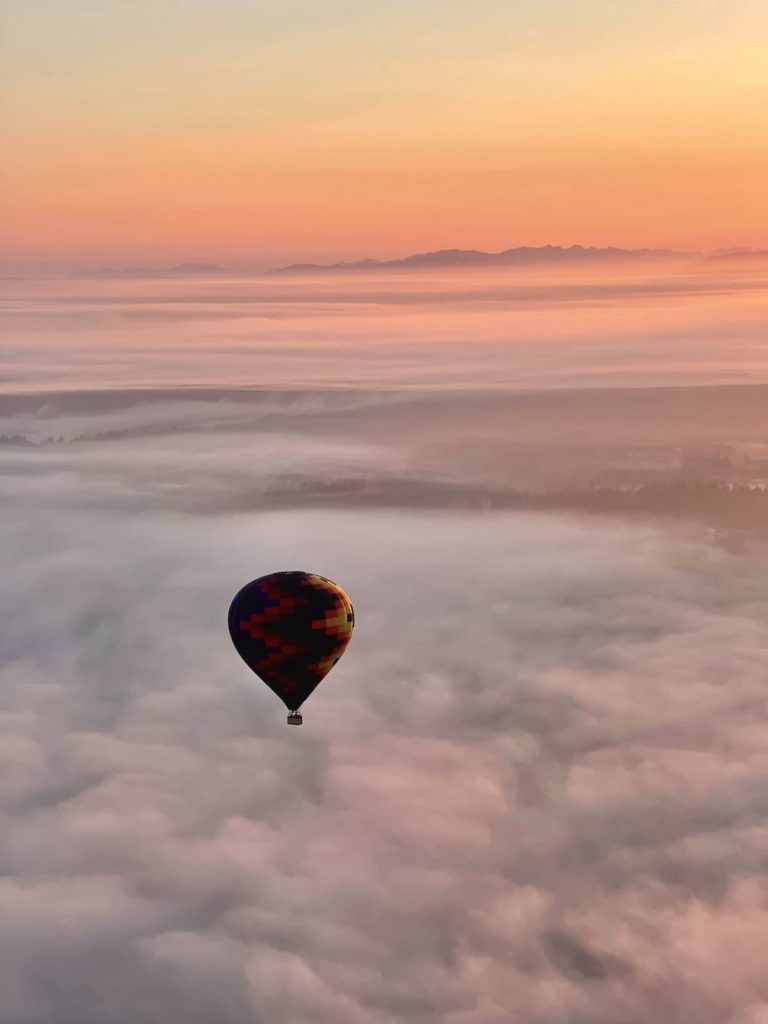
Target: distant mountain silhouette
738, 254
521, 256
179, 270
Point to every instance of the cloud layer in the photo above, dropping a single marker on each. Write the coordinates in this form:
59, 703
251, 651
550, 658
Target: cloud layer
520, 329
534, 789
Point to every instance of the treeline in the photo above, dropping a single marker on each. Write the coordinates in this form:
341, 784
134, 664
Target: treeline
734, 504
21, 440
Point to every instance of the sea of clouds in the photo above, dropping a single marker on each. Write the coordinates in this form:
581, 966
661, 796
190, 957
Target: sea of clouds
535, 789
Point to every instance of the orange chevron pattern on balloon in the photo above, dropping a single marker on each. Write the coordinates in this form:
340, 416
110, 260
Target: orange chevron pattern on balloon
291, 628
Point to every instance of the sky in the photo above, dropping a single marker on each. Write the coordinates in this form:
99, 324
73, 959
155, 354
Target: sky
240, 130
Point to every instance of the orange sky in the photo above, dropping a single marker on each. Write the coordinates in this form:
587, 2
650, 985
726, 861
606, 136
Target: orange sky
242, 129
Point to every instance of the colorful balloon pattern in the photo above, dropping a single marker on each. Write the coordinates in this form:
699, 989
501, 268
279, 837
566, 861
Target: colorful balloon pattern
291, 628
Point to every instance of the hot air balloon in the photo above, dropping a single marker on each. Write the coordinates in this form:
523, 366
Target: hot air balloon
291, 628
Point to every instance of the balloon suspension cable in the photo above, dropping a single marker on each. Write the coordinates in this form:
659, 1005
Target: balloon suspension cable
294, 718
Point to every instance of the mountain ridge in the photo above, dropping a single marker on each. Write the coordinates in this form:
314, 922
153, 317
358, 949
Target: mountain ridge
524, 255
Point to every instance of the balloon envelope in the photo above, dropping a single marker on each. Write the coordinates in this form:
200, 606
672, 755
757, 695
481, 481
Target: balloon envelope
291, 628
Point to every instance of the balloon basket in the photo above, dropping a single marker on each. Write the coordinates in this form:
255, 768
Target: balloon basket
294, 718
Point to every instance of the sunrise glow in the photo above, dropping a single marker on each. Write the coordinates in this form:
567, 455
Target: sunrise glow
248, 130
